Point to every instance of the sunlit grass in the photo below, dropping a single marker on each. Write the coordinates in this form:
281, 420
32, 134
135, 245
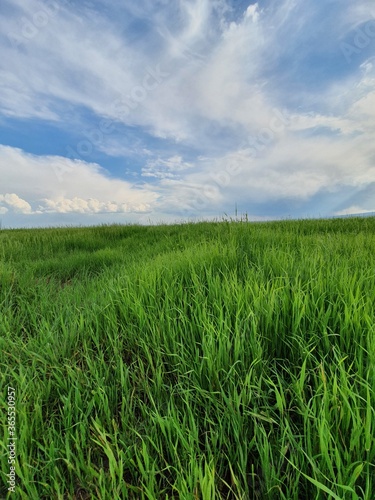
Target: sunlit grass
205, 361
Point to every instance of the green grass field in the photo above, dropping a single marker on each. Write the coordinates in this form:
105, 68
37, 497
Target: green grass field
224, 360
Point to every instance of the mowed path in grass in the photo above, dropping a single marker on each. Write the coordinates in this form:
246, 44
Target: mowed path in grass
224, 360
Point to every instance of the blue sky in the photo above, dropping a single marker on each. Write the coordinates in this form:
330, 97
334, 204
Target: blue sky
148, 111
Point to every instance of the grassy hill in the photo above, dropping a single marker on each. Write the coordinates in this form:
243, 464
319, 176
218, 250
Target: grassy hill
201, 361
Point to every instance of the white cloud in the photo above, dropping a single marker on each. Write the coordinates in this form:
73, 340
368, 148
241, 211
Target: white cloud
252, 12
89, 206
88, 61
75, 56
354, 210
15, 203
57, 184
163, 169
212, 70
291, 168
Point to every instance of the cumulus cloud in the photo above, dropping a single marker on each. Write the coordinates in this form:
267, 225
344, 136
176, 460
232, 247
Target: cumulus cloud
89, 206
15, 203
57, 184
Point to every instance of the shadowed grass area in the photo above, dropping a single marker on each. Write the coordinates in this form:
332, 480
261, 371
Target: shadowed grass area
204, 361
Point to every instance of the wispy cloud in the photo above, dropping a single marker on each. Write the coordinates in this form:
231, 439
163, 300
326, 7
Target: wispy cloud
163, 169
